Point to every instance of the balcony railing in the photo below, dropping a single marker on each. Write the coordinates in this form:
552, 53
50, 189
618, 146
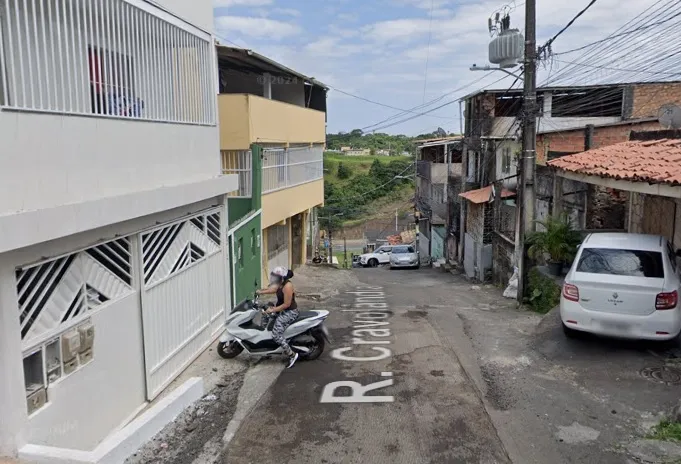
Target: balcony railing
288, 167
104, 58
239, 162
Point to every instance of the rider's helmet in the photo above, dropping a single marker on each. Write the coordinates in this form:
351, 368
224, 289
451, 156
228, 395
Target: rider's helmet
280, 274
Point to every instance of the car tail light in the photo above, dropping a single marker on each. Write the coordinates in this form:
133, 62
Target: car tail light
667, 300
570, 292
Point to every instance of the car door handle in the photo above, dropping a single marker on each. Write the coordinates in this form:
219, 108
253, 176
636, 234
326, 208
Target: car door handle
585, 299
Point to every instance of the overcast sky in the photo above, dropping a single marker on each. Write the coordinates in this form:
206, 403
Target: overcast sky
378, 49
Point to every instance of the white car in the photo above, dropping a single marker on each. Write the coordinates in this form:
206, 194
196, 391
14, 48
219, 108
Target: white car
404, 256
379, 256
623, 285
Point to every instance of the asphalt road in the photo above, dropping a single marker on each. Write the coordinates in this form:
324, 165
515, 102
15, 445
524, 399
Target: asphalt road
458, 375
423, 407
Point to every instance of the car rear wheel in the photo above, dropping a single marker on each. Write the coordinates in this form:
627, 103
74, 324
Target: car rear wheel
373, 262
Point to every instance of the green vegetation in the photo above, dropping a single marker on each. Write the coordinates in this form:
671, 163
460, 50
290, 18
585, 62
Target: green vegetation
354, 186
396, 144
559, 240
666, 430
544, 292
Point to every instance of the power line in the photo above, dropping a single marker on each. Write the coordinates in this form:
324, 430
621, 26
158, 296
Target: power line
374, 128
638, 29
431, 102
383, 104
570, 23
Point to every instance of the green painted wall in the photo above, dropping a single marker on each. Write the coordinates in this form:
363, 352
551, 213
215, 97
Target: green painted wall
247, 257
238, 208
245, 249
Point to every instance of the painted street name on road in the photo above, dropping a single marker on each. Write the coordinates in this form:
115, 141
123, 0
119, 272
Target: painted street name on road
371, 328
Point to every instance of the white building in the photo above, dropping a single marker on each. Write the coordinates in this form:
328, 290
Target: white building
113, 261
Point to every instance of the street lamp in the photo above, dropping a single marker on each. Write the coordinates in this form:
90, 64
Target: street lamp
489, 68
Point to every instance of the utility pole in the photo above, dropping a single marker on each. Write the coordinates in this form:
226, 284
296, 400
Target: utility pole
330, 245
526, 203
345, 251
396, 231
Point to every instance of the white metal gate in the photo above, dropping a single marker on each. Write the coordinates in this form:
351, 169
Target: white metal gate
184, 294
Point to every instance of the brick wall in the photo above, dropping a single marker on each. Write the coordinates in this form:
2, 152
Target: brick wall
647, 99
573, 140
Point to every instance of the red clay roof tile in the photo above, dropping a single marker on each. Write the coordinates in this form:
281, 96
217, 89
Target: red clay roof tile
656, 161
484, 195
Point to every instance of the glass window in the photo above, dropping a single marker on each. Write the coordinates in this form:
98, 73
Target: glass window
634, 263
403, 250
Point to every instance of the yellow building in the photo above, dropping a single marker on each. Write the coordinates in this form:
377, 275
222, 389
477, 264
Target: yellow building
263, 104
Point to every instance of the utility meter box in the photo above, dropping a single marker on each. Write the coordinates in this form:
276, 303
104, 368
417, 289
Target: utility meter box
36, 399
85, 357
87, 336
70, 345
70, 366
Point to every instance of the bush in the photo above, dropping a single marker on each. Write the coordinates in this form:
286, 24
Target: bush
559, 241
544, 292
344, 172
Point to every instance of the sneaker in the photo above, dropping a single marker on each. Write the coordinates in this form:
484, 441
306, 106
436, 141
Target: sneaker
292, 360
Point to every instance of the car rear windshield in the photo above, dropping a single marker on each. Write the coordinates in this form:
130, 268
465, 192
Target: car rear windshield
403, 249
634, 263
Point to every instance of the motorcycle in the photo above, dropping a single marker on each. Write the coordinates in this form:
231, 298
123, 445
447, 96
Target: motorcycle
306, 336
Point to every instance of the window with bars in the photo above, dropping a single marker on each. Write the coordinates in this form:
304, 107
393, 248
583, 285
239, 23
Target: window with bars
104, 57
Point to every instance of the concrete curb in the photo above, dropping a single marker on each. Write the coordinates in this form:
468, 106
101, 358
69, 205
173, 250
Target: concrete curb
119, 446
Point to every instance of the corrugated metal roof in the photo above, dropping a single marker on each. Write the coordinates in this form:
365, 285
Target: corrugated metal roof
484, 195
249, 58
655, 162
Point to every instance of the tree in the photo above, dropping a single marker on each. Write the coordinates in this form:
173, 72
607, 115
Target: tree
344, 172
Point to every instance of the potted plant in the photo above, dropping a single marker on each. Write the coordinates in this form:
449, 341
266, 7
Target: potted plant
556, 244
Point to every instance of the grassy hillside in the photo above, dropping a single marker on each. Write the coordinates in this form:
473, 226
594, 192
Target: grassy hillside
356, 164
364, 187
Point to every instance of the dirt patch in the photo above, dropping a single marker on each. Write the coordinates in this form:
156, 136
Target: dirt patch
319, 283
497, 393
181, 441
416, 314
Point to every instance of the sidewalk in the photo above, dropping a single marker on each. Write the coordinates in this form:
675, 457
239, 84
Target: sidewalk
232, 388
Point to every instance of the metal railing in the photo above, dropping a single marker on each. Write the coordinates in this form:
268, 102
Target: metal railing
239, 162
104, 58
288, 167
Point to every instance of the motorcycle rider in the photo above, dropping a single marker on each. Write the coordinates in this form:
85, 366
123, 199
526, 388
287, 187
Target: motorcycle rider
285, 312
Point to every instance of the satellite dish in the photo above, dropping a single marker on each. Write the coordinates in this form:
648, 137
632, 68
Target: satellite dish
669, 116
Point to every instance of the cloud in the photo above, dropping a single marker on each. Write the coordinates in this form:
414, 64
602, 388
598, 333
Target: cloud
286, 12
378, 48
332, 47
255, 27
397, 29
246, 3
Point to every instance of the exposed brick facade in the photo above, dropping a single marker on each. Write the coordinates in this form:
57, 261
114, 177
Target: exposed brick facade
572, 141
647, 99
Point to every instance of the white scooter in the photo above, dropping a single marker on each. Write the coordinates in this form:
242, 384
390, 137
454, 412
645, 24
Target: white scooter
306, 336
